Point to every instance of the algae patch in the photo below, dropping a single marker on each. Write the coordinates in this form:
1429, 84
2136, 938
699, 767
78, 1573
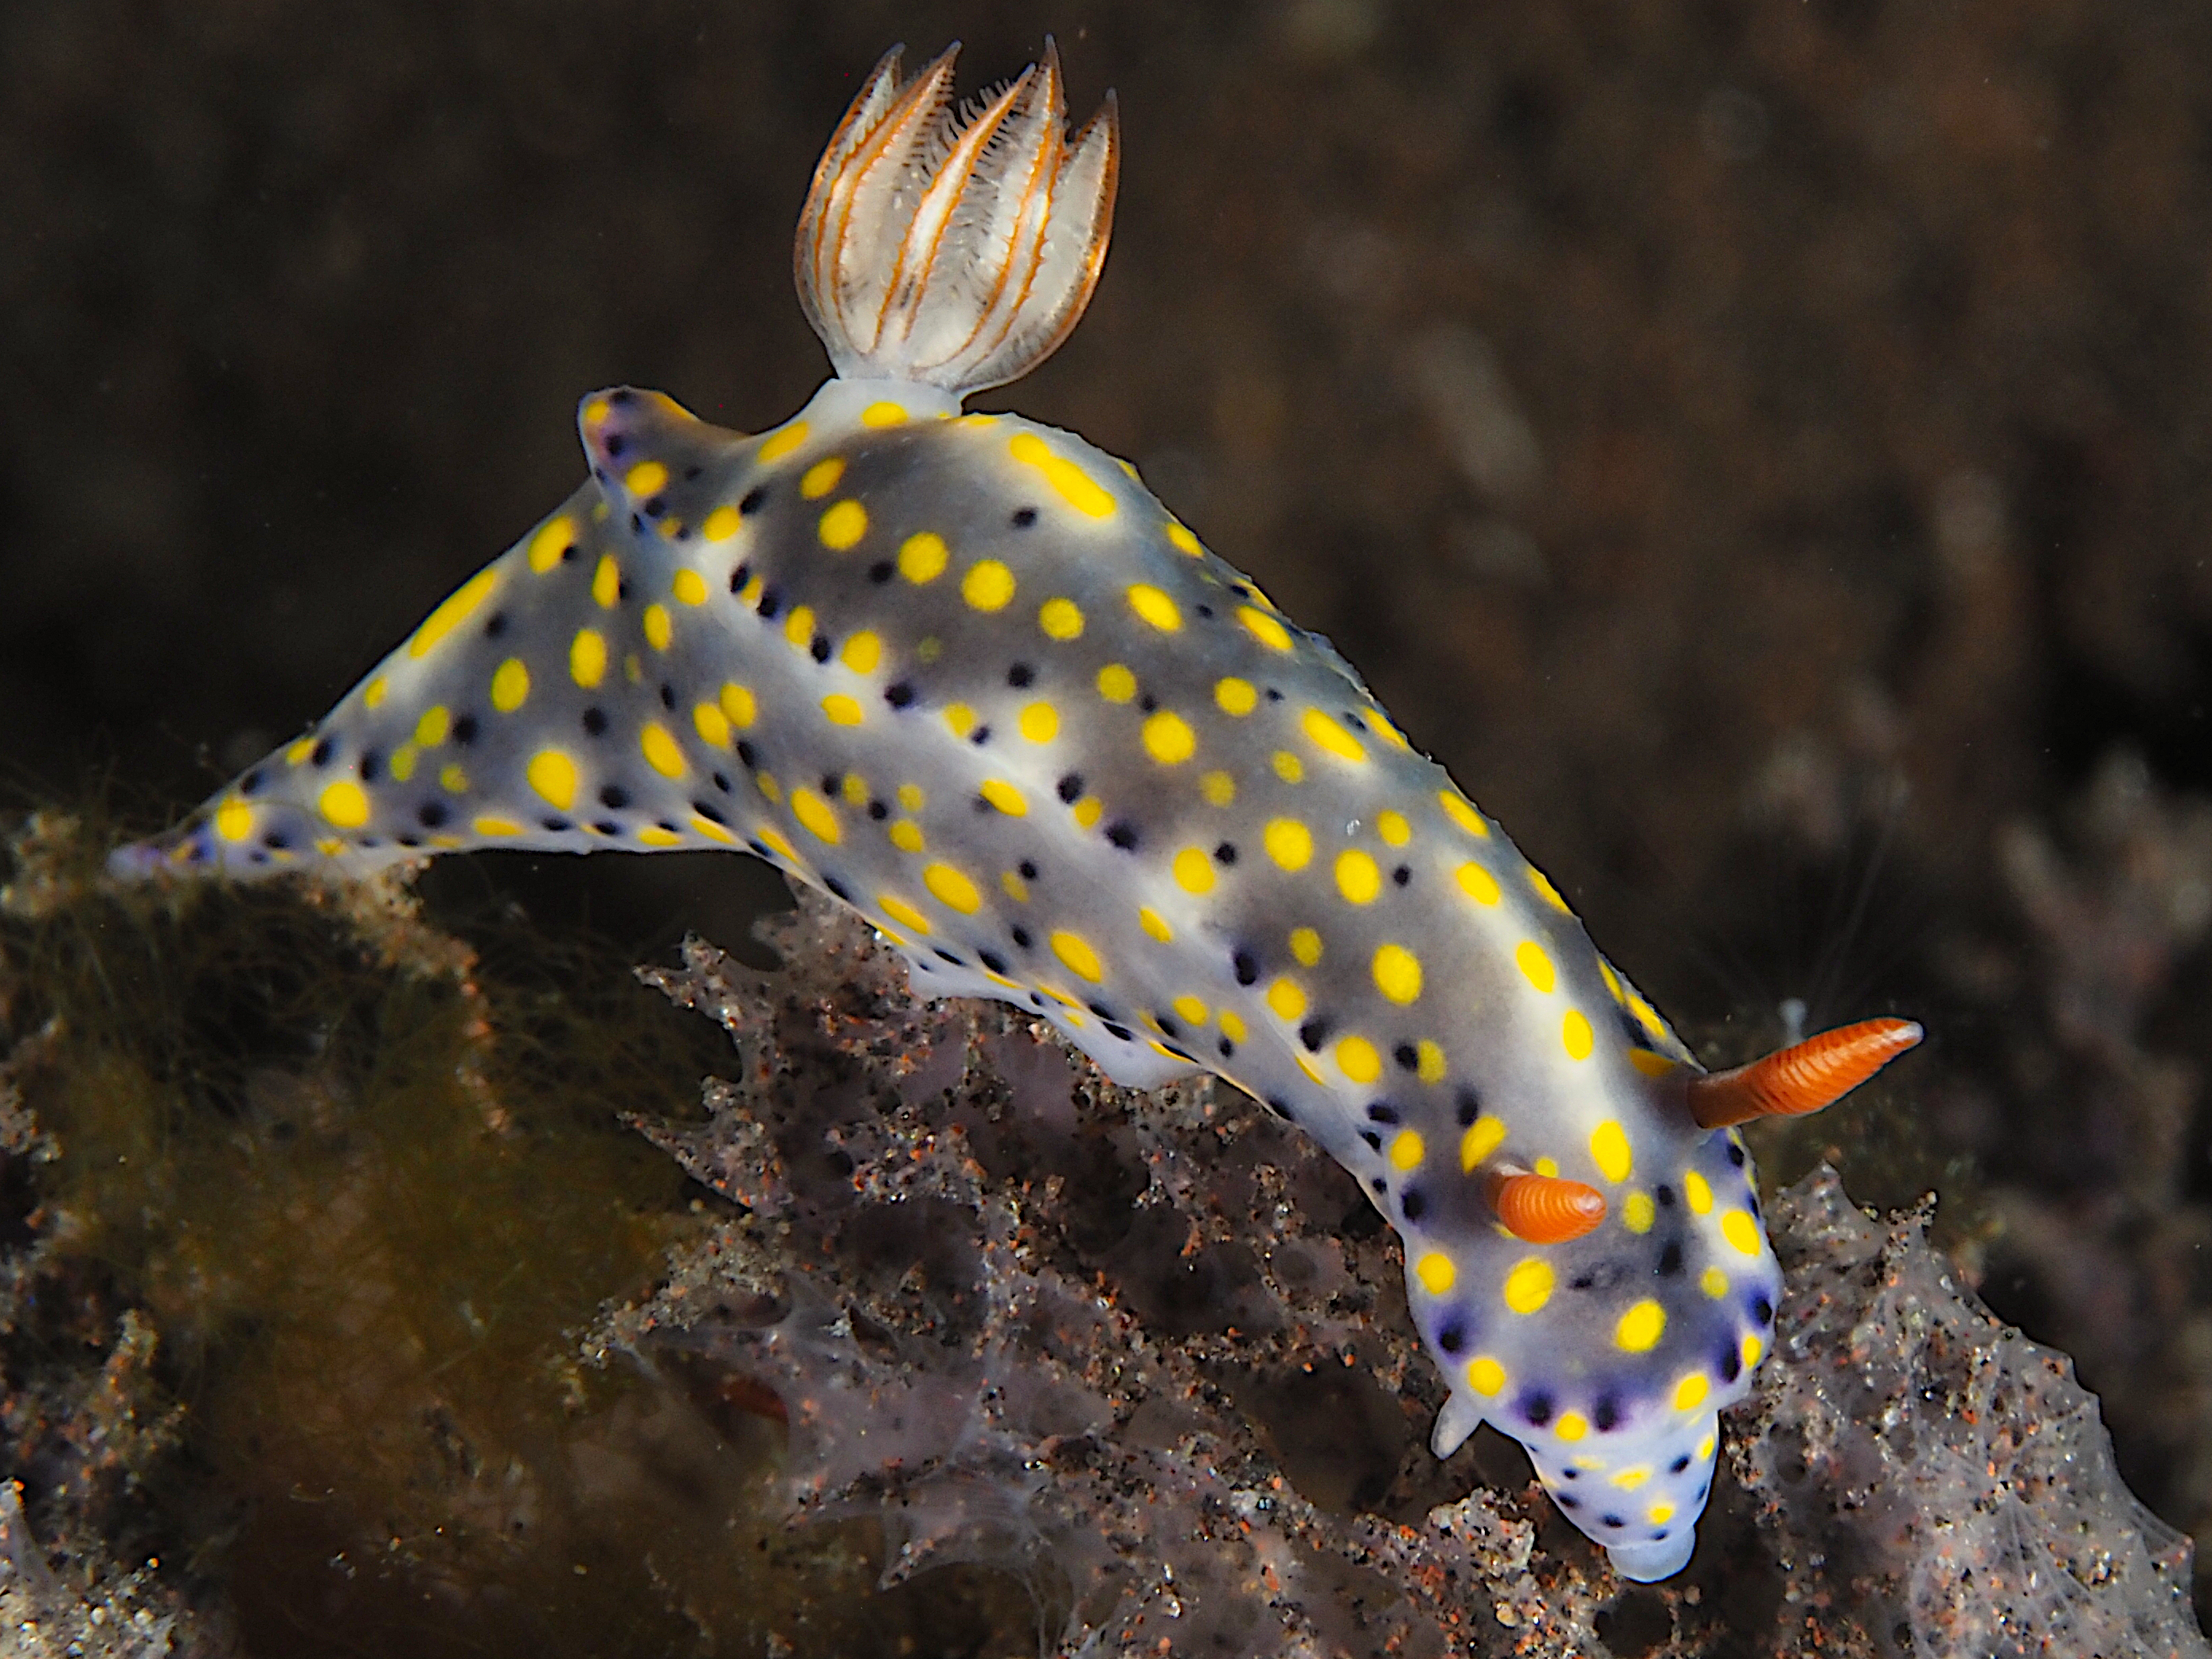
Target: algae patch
360, 1181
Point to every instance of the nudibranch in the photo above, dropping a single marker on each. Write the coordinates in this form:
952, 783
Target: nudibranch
967, 675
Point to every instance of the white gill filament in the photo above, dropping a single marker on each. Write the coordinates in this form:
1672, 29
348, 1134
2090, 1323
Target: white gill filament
949, 247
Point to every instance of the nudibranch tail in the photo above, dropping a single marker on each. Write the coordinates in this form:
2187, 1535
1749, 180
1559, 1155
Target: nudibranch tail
954, 250
1545, 1209
1800, 1078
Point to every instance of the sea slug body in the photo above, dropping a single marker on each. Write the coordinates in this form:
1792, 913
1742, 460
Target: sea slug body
967, 675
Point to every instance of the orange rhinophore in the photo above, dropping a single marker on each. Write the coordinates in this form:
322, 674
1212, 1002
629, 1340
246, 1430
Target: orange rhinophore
1544, 1209
1802, 1077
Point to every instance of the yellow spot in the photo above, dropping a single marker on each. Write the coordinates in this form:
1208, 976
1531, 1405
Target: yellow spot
1169, 739
952, 889
799, 626
1530, 957
854, 788
1437, 1272
712, 724
1384, 730
1660, 1513
766, 783
1486, 1376
597, 410
1357, 877
1483, 1137
690, 586
645, 478
1154, 923
1183, 539
234, 819
1194, 871
1753, 1348
1575, 1034
1069, 482
1040, 722
1153, 606
921, 558
1265, 628
1629, 1479
1288, 767
1547, 1167
902, 912
906, 835
819, 479
1116, 684
1608, 1144
1357, 1059
374, 695
1397, 973
403, 762
988, 586
1477, 883
1740, 1231
712, 830
1461, 814
959, 719
1393, 828
1428, 1061
510, 686
1290, 843
911, 798
782, 443
1232, 1026
1714, 1283
1649, 1064
1219, 788
328, 845
818, 816
882, 412
1076, 953
659, 750
606, 582
453, 780
553, 775
1062, 619
1528, 1287
1191, 1009
1546, 891
842, 709
1325, 733
495, 827
769, 837
1016, 889
1690, 1392
739, 704
1572, 1425
842, 525
454, 612
1004, 796
1235, 696
1698, 1191
1407, 1150
1705, 1447
430, 731
721, 524
1641, 1327
554, 537
657, 627
1287, 999
1305, 945
862, 652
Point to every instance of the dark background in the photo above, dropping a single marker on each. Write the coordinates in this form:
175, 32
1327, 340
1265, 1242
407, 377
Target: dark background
1759, 447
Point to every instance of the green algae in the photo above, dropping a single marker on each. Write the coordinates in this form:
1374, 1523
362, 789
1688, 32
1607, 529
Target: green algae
363, 1180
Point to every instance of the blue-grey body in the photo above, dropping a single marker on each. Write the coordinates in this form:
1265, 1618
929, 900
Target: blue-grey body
967, 675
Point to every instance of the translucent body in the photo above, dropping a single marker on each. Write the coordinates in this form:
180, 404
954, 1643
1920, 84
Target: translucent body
967, 675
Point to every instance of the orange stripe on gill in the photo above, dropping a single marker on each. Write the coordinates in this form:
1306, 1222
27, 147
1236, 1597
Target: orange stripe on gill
1544, 1209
